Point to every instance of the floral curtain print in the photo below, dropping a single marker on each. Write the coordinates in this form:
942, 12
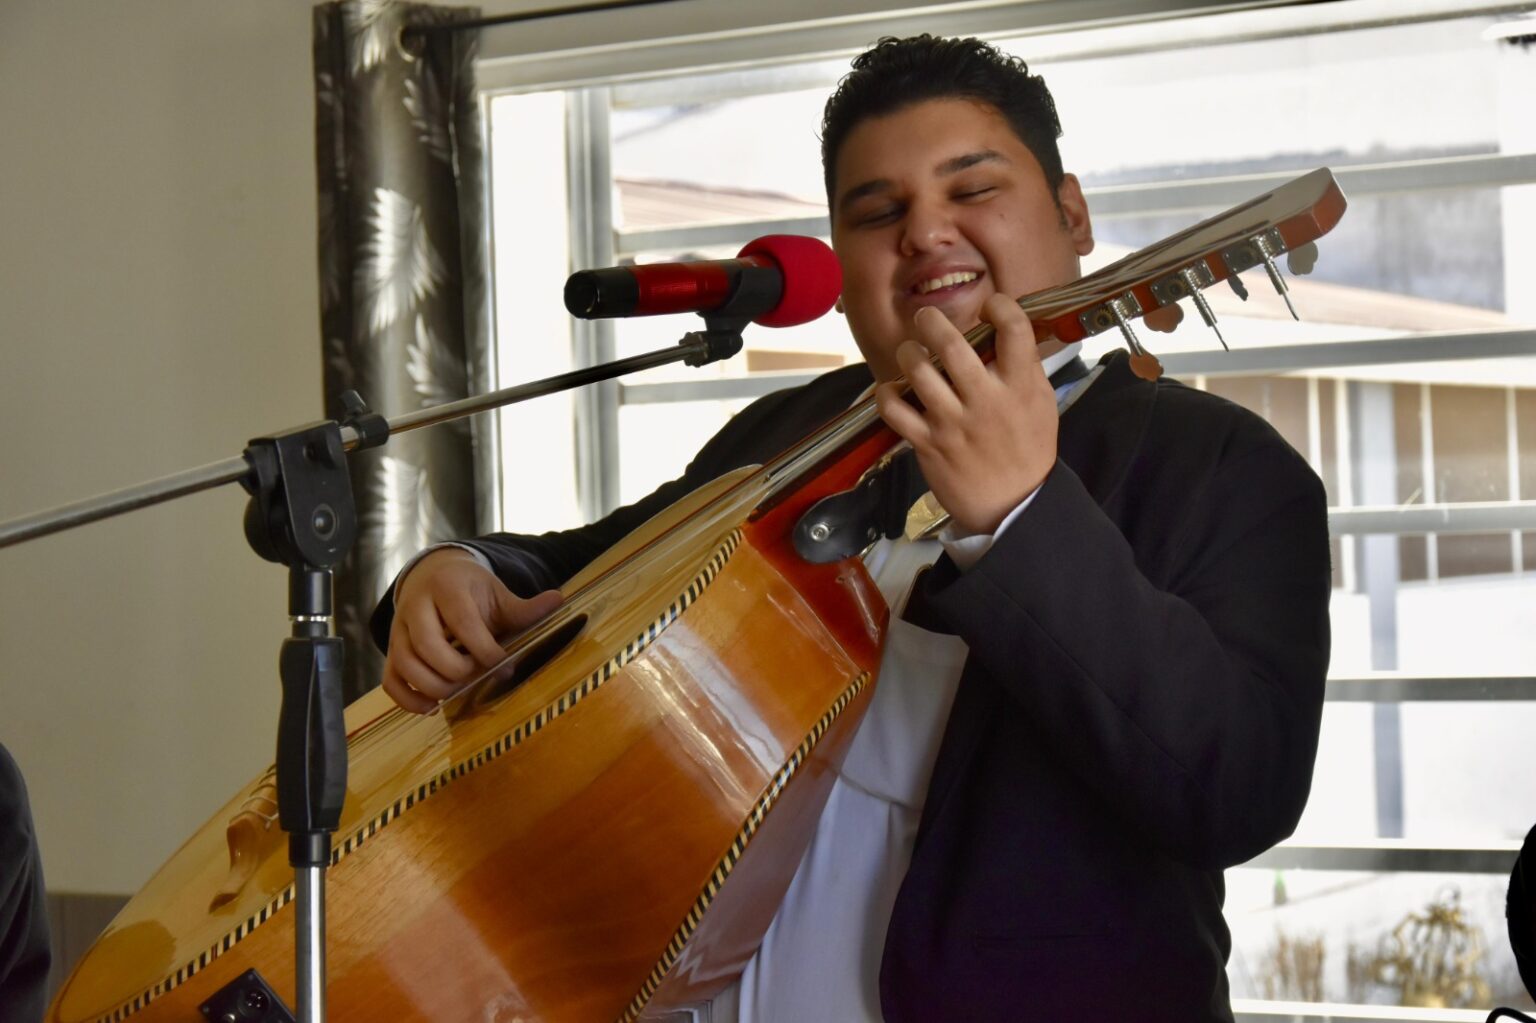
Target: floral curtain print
402, 283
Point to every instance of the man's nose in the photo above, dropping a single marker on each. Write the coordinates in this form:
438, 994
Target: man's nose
929, 226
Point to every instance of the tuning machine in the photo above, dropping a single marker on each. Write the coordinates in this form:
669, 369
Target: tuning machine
1262, 249
1189, 283
1302, 259
1118, 312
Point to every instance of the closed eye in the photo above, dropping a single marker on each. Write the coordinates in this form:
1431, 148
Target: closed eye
878, 216
975, 193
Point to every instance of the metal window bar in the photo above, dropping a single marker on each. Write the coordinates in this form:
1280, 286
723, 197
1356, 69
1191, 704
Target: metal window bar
1387, 855
1392, 855
1158, 197
1440, 347
1391, 687
591, 188
1467, 517
1253, 1010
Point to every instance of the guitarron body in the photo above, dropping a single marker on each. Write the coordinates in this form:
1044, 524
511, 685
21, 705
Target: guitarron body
554, 844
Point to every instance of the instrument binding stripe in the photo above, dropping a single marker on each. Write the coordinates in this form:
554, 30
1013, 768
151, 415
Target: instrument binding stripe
738, 847
586, 687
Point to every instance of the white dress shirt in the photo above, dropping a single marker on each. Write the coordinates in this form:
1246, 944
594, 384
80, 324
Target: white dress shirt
820, 959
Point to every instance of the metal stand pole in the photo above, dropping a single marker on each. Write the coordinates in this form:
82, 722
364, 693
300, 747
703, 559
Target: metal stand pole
311, 771
309, 981
301, 514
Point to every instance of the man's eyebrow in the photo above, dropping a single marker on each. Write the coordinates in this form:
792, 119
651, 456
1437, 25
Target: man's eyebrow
953, 165
959, 163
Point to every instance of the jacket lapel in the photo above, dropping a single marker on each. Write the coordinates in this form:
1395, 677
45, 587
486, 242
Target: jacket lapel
1102, 431
1100, 434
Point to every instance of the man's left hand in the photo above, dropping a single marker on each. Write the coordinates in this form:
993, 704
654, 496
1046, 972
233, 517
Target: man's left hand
985, 439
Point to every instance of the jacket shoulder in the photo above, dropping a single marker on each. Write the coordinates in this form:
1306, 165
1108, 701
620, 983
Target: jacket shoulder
772, 423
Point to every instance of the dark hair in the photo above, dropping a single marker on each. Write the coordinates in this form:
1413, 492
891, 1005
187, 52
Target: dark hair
896, 73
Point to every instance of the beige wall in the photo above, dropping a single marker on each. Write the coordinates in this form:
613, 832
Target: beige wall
157, 308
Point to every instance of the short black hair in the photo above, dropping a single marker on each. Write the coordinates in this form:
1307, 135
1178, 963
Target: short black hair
897, 73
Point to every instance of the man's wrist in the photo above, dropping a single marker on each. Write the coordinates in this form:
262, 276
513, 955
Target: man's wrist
967, 549
426, 552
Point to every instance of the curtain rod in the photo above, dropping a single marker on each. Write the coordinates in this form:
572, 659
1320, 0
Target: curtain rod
508, 19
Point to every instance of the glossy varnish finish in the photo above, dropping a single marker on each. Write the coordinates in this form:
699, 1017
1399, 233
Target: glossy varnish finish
544, 853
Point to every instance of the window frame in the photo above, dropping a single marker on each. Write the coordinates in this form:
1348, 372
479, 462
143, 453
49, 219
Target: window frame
596, 74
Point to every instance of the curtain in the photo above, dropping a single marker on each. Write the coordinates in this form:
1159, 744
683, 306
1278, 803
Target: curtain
403, 311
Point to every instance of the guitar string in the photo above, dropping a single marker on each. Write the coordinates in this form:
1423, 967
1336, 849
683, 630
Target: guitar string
791, 466
396, 719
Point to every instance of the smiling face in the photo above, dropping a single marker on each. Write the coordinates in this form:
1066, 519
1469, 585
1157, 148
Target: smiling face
941, 204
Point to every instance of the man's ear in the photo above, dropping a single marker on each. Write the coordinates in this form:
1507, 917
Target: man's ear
1074, 213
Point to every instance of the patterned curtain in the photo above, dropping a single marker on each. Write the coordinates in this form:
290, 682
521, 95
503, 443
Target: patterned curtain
402, 270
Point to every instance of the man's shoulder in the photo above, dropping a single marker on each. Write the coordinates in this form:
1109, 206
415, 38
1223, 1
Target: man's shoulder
1162, 405
834, 391
811, 403
1181, 399
1241, 443
1173, 420
773, 422
1205, 410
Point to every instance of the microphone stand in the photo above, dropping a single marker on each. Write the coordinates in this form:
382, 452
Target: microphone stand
301, 514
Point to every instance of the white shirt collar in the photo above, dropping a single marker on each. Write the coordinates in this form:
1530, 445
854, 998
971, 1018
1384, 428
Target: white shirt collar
1052, 363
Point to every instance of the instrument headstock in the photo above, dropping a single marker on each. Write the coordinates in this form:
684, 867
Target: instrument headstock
1287, 219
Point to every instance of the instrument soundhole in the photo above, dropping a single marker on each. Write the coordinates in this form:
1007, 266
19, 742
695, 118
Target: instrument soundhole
533, 658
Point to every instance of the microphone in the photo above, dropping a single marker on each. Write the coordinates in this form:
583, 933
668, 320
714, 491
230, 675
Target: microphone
778, 280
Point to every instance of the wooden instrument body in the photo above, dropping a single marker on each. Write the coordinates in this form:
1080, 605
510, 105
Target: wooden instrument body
551, 850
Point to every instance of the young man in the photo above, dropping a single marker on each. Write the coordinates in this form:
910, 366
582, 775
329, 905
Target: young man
1111, 686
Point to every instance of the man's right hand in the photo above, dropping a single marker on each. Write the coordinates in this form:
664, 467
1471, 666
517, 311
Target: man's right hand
448, 597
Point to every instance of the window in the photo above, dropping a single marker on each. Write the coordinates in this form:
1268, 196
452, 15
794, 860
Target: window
1409, 384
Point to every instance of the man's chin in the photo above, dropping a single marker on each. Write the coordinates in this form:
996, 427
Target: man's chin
966, 318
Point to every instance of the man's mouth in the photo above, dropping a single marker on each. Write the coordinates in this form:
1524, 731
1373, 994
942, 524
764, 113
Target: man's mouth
952, 280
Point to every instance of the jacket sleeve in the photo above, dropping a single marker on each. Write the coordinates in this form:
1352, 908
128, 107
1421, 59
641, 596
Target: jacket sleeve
530, 564
1192, 706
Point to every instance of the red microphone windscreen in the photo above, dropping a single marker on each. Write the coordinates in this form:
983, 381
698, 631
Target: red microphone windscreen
813, 278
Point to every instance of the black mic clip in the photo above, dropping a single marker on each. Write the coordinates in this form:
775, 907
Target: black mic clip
720, 339
721, 336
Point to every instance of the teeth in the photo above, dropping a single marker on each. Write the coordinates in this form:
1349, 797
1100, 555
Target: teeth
948, 280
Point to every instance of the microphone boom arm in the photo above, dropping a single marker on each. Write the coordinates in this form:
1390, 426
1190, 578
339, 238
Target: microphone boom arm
697, 348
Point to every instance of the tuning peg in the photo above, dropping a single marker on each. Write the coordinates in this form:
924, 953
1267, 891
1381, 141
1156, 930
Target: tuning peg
1143, 363
1192, 282
1302, 259
1238, 287
1262, 244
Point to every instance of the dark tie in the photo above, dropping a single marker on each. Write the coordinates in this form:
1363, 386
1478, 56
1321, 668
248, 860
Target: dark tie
920, 610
